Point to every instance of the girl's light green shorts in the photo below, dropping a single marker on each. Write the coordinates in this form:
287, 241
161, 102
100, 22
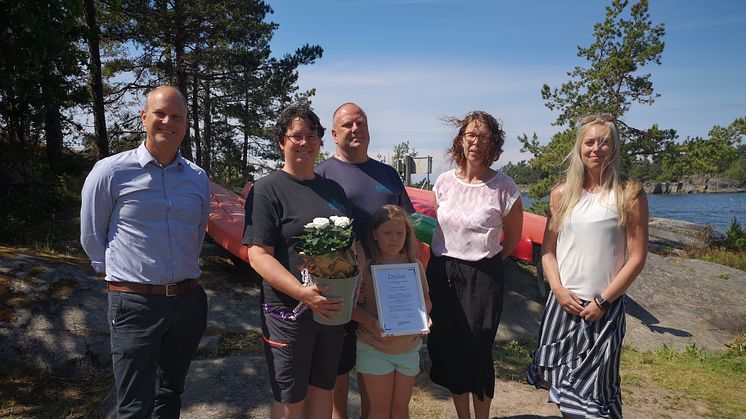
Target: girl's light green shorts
371, 361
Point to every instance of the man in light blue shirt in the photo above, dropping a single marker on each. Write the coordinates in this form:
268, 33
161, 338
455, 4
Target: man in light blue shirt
142, 222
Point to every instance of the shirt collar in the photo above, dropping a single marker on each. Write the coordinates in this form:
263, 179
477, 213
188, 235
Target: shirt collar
144, 157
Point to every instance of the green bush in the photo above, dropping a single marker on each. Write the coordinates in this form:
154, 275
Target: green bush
43, 210
735, 237
539, 207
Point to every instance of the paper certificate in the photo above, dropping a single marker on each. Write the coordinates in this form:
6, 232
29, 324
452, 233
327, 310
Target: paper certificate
399, 297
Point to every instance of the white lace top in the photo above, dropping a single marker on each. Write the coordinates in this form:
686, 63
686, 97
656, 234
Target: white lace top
470, 215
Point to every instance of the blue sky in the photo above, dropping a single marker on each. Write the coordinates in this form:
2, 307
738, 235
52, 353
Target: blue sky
410, 62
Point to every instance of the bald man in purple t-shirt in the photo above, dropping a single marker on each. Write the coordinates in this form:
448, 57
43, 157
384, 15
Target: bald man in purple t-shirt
368, 184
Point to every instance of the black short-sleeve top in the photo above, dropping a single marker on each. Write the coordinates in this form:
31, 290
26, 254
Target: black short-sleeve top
277, 208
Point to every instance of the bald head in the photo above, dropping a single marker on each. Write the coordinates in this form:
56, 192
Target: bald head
350, 133
350, 106
168, 90
165, 120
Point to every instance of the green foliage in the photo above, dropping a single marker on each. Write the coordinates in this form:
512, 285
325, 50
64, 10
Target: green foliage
720, 255
323, 155
219, 55
41, 66
720, 154
624, 42
400, 150
324, 236
737, 169
712, 379
549, 160
735, 236
622, 45
39, 213
539, 207
522, 172
512, 358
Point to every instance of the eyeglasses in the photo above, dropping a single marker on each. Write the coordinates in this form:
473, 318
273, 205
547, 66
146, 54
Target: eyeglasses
297, 138
596, 118
473, 136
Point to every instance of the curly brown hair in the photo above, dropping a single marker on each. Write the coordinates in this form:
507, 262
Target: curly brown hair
456, 151
289, 114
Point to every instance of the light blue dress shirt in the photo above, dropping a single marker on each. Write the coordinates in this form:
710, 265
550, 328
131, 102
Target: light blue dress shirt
144, 222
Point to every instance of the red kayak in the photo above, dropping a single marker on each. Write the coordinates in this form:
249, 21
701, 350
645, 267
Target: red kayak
533, 225
227, 222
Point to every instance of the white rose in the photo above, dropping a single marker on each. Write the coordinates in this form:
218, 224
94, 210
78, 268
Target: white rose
320, 223
309, 225
341, 222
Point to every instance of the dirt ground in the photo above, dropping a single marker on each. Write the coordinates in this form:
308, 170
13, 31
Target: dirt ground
52, 317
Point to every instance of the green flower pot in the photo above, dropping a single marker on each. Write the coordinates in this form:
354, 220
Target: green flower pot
340, 288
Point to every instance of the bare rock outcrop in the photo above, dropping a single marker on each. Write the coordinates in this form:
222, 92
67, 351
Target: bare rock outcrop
695, 184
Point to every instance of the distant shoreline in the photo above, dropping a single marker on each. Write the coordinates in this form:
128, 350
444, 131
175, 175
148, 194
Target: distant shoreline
685, 186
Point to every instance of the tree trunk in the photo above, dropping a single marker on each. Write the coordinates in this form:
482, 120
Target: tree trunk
97, 85
181, 78
195, 119
245, 149
53, 136
207, 129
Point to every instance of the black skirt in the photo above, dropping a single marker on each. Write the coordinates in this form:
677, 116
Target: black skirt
467, 300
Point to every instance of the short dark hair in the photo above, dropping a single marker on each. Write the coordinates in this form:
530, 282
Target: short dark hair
289, 114
456, 151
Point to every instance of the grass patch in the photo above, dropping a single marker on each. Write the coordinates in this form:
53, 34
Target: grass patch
25, 392
730, 258
693, 375
512, 358
424, 402
526, 267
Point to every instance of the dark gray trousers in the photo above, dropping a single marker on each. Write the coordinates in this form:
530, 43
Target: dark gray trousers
153, 341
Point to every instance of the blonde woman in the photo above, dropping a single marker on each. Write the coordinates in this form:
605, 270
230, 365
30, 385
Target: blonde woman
595, 245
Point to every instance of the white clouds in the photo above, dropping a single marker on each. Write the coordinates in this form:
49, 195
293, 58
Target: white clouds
406, 99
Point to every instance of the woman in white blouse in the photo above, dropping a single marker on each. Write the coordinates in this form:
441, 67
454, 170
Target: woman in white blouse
476, 206
595, 245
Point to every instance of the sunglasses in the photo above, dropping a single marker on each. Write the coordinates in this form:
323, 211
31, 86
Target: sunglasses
596, 118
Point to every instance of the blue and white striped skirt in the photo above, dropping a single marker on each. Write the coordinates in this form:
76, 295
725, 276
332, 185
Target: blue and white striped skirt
580, 361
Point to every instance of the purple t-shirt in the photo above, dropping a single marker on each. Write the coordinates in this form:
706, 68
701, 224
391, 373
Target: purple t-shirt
368, 186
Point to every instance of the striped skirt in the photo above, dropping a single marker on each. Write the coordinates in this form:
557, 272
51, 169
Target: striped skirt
580, 361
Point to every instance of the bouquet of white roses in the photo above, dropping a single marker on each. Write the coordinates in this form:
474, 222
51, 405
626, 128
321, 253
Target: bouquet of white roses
326, 248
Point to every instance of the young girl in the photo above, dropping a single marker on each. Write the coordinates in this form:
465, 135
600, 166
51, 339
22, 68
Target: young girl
386, 366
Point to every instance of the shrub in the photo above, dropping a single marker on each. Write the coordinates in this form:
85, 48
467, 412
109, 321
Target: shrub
735, 236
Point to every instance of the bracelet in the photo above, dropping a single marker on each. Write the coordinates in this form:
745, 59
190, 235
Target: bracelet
602, 303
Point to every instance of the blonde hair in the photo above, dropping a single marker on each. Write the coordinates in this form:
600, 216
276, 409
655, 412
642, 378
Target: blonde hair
383, 215
625, 190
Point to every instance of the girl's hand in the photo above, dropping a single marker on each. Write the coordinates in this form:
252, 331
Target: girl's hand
592, 312
568, 300
375, 326
323, 306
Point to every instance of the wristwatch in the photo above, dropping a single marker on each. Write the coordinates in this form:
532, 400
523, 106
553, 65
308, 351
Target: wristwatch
602, 302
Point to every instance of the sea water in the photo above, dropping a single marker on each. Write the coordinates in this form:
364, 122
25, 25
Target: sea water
716, 209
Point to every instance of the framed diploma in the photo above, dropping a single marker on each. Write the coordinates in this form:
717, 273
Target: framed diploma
400, 299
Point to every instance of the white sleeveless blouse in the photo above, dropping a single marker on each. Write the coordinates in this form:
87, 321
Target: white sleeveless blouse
591, 246
470, 215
